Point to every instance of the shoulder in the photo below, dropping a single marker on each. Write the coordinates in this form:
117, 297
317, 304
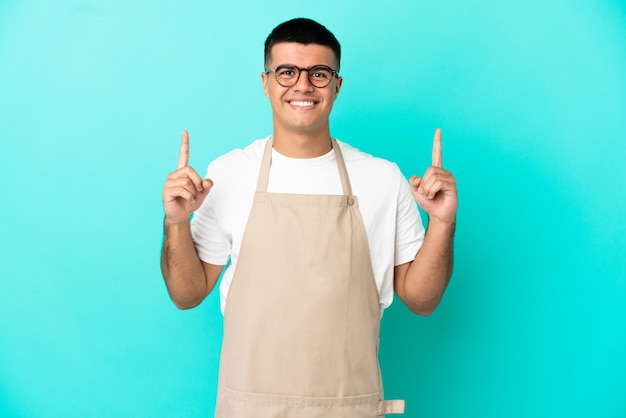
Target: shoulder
369, 165
236, 171
240, 157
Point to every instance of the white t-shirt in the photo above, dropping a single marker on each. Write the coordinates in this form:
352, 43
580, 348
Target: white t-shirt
392, 222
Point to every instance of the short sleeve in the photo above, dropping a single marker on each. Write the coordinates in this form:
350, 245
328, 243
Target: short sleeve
409, 228
212, 243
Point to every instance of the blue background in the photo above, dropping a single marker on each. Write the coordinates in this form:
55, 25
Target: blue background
531, 96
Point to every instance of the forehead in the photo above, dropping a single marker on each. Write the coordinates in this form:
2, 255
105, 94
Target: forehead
302, 55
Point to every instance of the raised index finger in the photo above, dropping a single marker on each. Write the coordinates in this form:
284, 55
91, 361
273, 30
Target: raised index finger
437, 160
183, 156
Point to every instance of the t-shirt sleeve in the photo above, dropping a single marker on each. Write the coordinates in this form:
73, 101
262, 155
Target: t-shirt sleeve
409, 228
213, 245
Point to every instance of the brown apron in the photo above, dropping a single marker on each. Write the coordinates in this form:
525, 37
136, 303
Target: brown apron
302, 316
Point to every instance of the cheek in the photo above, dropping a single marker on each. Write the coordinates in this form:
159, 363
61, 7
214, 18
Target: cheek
274, 96
276, 100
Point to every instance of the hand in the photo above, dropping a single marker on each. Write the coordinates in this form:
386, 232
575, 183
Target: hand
184, 189
436, 191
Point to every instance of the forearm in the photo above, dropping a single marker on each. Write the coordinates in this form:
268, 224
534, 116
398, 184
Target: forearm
428, 275
181, 267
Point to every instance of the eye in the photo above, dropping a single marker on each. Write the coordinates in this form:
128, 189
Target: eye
285, 72
321, 73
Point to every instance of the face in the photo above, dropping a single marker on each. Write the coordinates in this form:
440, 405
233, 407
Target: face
301, 108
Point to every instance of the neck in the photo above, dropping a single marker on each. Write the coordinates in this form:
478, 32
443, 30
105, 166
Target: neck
302, 145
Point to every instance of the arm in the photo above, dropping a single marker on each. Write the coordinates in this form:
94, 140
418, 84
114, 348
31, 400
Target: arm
188, 279
420, 284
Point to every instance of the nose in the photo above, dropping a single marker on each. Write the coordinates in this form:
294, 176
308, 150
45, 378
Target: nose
302, 83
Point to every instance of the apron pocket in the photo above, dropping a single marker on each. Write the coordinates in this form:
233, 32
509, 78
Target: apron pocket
245, 405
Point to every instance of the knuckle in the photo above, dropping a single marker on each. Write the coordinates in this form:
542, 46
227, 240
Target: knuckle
182, 191
187, 183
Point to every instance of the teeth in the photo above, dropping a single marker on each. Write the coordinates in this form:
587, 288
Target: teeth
302, 103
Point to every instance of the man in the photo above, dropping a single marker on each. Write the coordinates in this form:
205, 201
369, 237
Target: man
318, 236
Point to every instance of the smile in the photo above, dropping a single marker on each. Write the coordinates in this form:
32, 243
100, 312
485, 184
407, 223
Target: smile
300, 103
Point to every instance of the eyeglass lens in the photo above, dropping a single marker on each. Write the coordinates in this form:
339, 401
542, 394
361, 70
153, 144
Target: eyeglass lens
288, 75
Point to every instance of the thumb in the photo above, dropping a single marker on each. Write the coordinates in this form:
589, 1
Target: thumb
207, 184
414, 182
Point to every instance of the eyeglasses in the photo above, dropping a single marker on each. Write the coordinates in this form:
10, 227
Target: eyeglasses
288, 75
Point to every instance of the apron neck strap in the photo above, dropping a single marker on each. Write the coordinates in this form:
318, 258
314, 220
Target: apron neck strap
264, 174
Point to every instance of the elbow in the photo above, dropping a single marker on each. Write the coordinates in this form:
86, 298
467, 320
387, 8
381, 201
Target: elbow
423, 301
184, 296
423, 307
185, 305
422, 310
185, 301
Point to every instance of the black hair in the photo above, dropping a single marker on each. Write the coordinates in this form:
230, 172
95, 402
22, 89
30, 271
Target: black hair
303, 31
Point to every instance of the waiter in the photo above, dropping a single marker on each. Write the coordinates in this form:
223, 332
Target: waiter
316, 236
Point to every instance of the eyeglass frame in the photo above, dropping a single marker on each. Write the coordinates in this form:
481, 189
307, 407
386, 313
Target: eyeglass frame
308, 74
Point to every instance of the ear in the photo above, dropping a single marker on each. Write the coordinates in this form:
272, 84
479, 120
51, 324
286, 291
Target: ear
338, 86
264, 79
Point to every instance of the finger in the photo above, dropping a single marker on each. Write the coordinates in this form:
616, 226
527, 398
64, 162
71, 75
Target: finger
183, 156
185, 183
433, 188
189, 174
435, 184
415, 184
178, 192
206, 187
437, 160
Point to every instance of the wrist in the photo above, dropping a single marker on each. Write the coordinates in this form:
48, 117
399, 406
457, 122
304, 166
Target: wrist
176, 223
442, 225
